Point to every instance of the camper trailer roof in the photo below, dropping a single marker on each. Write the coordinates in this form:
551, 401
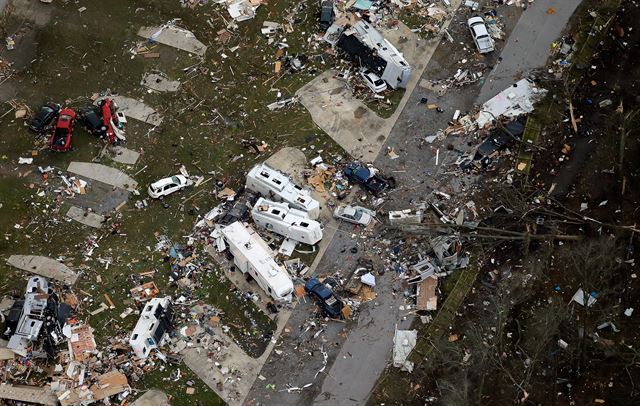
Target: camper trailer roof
256, 250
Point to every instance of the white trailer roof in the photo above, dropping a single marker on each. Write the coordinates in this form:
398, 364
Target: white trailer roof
284, 220
374, 40
266, 179
259, 255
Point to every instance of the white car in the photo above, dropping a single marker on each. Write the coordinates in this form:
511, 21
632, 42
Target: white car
373, 81
166, 186
354, 214
480, 35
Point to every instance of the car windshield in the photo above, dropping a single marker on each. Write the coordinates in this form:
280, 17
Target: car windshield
379, 82
175, 180
357, 215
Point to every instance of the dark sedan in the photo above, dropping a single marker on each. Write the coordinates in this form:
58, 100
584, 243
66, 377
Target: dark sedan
92, 120
45, 117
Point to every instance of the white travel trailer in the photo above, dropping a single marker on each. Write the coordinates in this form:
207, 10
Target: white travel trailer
32, 315
363, 43
282, 219
252, 255
151, 329
276, 186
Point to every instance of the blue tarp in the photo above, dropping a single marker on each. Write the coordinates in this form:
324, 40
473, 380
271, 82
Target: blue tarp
363, 4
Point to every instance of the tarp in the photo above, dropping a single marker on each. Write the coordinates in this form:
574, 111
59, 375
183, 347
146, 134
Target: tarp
363, 4
403, 343
368, 279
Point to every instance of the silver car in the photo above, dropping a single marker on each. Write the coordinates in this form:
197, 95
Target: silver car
354, 214
480, 35
373, 81
166, 186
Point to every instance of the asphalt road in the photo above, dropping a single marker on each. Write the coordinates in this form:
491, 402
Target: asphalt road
529, 44
358, 351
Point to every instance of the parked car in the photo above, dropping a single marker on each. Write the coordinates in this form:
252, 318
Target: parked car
330, 305
353, 214
480, 35
166, 186
326, 14
373, 81
61, 134
45, 116
91, 117
368, 178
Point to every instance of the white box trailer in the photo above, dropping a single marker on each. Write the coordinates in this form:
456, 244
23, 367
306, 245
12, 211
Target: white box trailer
152, 327
282, 219
276, 186
253, 256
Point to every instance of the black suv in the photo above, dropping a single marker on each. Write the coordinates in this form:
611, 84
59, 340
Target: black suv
92, 120
45, 116
329, 304
326, 14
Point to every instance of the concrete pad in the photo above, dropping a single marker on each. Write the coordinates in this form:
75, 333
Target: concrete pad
137, 110
32, 394
407, 42
290, 161
106, 174
124, 156
159, 83
87, 218
233, 358
231, 390
174, 37
152, 397
355, 127
44, 266
101, 198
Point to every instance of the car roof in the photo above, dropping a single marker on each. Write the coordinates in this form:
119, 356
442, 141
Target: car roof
166, 181
349, 210
372, 75
479, 28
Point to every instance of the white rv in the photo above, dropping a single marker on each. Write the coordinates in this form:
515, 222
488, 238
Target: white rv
252, 255
276, 186
151, 329
367, 45
32, 316
282, 219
